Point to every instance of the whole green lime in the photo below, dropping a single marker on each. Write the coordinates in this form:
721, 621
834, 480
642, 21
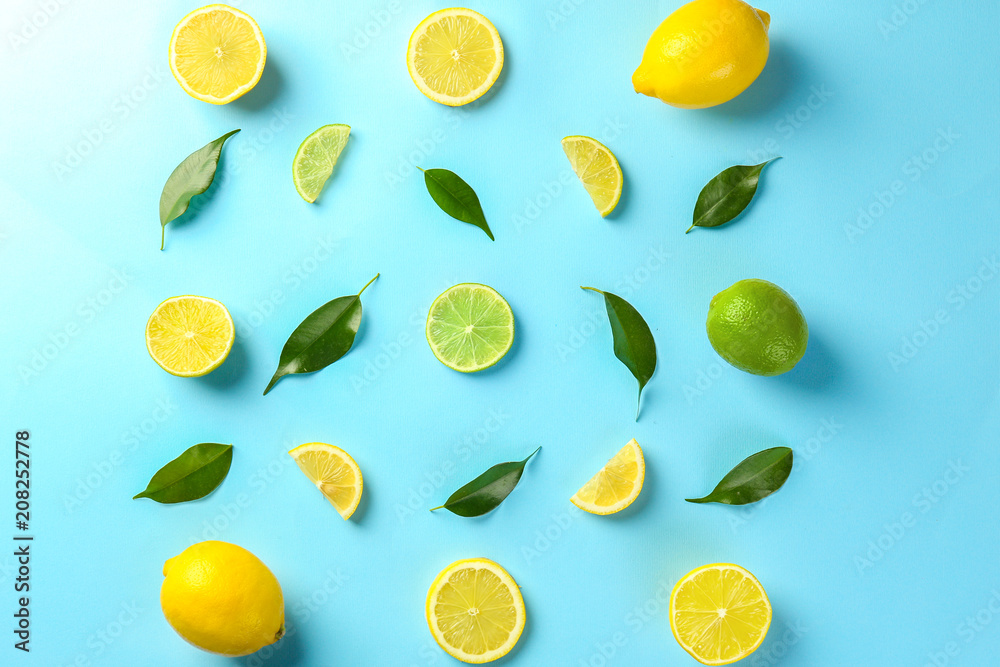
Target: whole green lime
757, 327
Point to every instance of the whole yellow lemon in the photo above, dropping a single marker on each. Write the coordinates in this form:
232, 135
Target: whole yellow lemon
223, 599
705, 53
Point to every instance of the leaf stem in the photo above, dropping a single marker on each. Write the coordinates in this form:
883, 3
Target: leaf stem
369, 282
163, 235
689, 229
592, 289
439, 507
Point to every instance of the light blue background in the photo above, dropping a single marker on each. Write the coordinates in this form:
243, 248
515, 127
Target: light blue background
849, 582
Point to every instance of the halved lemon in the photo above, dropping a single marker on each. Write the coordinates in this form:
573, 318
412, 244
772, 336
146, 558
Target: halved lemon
598, 169
217, 53
454, 56
719, 613
334, 473
616, 485
475, 610
190, 336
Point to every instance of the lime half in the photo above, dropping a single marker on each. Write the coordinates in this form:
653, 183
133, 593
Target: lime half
316, 158
598, 169
470, 327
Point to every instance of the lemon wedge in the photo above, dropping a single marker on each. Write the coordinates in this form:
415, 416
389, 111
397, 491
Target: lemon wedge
719, 613
475, 610
334, 473
454, 56
190, 336
598, 169
616, 485
217, 53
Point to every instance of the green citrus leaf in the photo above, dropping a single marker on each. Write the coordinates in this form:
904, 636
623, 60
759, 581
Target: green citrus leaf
634, 344
191, 177
726, 195
456, 198
756, 477
324, 336
486, 492
192, 475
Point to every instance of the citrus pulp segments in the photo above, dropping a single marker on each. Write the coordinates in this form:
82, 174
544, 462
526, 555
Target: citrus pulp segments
334, 472
189, 336
598, 169
616, 485
470, 327
217, 53
719, 613
475, 610
316, 158
454, 56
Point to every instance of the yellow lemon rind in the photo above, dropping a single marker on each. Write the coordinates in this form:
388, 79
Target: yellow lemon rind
183, 596
679, 70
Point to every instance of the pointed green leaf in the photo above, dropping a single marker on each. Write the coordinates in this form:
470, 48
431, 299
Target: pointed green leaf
324, 336
456, 198
726, 195
192, 475
486, 492
634, 344
756, 477
191, 177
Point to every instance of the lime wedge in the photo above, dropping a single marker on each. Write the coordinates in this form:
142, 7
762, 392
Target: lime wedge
470, 327
597, 168
316, 158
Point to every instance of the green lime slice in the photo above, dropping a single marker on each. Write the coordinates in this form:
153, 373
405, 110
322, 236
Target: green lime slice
470, 327
316, 158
